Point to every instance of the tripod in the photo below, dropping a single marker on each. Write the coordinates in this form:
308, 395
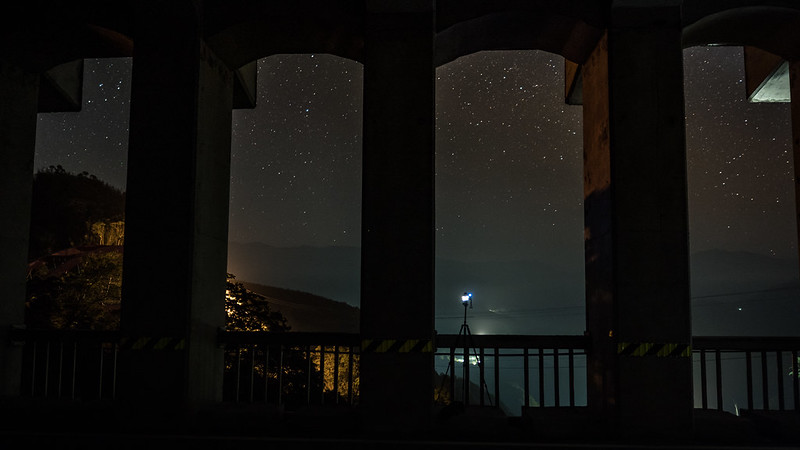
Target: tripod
465, 339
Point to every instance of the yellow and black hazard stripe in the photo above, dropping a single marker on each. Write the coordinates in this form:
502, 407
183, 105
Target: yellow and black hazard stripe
152, 343
396, 346
654, 349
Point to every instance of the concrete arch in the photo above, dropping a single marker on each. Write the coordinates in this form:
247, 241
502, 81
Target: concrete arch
241, 35
774, 28
569, 36
41, 50
37, 38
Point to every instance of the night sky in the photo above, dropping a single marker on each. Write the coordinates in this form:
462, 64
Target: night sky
508, 155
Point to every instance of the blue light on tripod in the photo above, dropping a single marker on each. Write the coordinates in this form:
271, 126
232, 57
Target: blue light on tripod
466, 299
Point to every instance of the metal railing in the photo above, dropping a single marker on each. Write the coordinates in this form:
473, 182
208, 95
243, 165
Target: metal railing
291, 368
730, 373
538, 370
744, 370
68, 364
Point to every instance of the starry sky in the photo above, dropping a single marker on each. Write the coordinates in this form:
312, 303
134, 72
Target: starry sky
508, 155
740, 161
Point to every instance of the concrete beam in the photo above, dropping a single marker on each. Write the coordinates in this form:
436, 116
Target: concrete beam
245, 86
766, 76
573, 83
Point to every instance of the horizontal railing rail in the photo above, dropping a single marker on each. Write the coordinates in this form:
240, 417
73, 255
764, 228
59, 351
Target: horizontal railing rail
737, 376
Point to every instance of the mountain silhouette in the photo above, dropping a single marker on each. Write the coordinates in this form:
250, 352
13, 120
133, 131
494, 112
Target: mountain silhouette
330, 272
307, 312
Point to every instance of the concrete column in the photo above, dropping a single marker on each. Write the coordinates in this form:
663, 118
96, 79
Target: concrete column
19, 93
177, 216
397, 257
794, 88
636, 226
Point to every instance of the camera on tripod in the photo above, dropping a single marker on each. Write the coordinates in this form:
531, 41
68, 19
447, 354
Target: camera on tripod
466, 299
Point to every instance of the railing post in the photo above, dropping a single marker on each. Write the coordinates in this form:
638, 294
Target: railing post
336, 374
497, 376
703, 381
33, 369
100, 378
526, 374
322, 372
266, 373
541, 377
114, 379
308, 375
764, 382
60, 365
556, 387
779, 363
46, 367
481, 375
252, 370
749, 363
571, 354
280, 376
718, 362
350, 377
466, 374
238, 371
74, 368
795, 380
452, 364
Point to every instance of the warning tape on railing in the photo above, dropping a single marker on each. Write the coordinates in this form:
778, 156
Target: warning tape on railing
152, 343
396, 346
654, 349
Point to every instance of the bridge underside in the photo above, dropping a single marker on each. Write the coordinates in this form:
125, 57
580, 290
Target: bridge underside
194, 63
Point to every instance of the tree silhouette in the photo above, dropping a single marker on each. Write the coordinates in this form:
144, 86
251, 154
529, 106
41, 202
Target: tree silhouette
248, 311
86, 297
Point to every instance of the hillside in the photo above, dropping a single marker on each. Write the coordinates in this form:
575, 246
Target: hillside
330, 272
737, 293
308, 312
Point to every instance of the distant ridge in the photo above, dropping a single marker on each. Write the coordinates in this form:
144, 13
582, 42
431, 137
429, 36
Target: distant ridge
307, 312
734, 292
330, 272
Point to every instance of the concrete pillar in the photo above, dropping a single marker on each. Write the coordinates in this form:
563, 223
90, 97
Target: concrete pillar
636, 226
176, 218
794, 88
397, 256
19, 93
